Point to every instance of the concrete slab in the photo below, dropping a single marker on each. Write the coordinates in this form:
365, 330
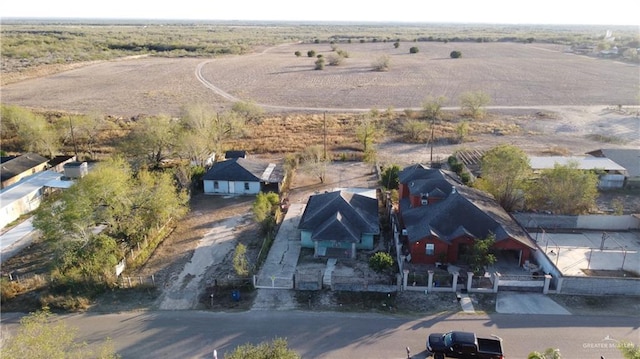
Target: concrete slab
467, 305
527, 303
574, 252
280, 265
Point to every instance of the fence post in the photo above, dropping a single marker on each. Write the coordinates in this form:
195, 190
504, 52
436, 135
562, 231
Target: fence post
455, 281
129, 280
153, 280
405, 278
430, 282
547, 280
469, 281
496, 282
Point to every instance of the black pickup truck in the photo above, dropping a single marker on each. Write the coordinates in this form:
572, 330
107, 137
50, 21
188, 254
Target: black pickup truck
464, 345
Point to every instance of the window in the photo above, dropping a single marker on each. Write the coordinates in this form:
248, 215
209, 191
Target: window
430, 249
216, 185
246, 186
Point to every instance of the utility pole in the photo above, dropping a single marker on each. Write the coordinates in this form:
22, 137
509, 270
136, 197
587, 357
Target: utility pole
325, 136
73, 138
431, 158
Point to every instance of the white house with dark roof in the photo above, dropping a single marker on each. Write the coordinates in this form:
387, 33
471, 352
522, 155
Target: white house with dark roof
241, 176
336, 224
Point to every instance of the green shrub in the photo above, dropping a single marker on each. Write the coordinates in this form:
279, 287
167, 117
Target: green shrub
465, 177
455, 54
457, 167
414, 50
320, 64
381, 261
311, 53
297, 53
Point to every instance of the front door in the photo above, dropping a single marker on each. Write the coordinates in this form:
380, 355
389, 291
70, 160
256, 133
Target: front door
463, 251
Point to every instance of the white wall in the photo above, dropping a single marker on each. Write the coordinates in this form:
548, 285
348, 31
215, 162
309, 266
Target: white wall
230, 187
223, 187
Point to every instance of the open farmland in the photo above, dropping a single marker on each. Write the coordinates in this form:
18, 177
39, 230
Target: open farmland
513, 74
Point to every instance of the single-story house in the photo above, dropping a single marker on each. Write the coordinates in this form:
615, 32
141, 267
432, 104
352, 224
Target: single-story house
439, 218
629, 158
612, 177
243, 176
336, 224
15, 168
26, 195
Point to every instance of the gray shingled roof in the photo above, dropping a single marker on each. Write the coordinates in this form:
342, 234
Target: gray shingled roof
17, 165
336, 226
463, 211
245, 170
341, 215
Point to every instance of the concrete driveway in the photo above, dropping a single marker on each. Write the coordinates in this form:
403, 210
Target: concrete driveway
527, 303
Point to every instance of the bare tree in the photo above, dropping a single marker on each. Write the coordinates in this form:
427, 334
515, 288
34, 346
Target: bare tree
473, 103
312, 162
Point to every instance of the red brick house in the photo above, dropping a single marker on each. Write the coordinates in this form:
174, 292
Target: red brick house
439, 218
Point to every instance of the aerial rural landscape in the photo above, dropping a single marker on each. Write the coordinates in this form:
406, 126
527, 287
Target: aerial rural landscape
282, 189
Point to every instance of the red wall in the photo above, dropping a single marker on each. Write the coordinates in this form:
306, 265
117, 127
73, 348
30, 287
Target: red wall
418, 254
418, 251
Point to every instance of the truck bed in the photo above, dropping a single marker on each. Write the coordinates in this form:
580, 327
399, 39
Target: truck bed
490, 346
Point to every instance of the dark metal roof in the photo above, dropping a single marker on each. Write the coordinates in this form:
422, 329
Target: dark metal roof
235, 154
628, 158
245, 170
17, 165
340, 213
462, 211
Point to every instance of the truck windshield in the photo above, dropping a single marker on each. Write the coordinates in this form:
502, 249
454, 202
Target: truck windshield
447, 339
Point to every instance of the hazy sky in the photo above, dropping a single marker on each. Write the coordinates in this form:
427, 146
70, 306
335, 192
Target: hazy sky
605, 12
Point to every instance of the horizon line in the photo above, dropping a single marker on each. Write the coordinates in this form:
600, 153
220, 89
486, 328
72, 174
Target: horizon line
398, 22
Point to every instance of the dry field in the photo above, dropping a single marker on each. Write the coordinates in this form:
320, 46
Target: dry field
512, 74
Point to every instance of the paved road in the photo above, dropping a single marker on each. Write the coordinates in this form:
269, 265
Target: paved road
195, 334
